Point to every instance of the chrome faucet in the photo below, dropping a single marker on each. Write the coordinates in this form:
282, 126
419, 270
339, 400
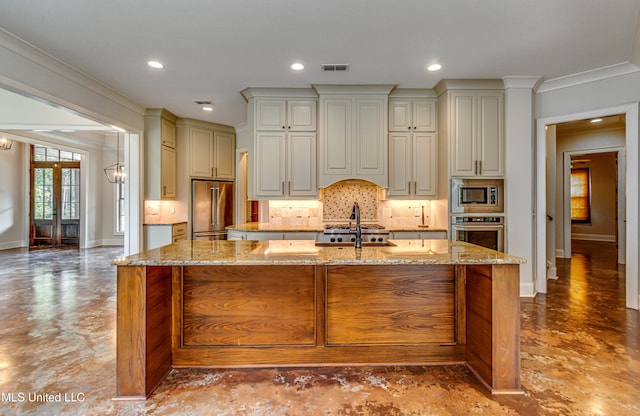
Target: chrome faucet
355, 215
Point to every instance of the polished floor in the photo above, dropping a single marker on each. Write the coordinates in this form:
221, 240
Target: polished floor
580, 354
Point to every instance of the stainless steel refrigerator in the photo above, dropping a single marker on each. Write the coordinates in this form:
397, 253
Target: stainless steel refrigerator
211, 209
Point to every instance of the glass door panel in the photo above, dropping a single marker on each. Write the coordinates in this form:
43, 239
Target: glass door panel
55, 198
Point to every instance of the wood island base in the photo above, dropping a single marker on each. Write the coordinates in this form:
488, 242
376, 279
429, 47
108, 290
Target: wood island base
317, 315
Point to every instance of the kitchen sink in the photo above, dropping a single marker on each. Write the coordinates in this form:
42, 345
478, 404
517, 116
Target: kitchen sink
352, 244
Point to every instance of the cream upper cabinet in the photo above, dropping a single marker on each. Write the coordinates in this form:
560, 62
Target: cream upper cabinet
476, 133
200, 152
286, 165
412, 165
224, 153
352, 139
285, 114
270, 164
412, 114
168, 133
211, 149
168, 172
160, 154
282, 152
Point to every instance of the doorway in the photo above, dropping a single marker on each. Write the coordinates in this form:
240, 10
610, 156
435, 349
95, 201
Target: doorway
54, 198
544, 147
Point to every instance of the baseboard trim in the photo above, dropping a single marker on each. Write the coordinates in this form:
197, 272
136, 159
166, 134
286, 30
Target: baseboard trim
527, 290
594, 237
560, 253
8, 245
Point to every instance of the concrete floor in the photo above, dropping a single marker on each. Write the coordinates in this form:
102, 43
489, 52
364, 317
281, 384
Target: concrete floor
580, 354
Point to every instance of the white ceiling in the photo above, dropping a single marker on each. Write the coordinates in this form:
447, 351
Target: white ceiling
214, 49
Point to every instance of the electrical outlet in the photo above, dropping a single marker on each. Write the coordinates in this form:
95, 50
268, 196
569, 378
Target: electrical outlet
172, 210
416, 212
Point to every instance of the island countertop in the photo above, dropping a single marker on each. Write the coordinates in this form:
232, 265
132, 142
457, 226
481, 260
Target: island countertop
306, 252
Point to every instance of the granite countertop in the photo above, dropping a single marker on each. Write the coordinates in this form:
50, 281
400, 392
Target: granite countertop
166, 223
219, 252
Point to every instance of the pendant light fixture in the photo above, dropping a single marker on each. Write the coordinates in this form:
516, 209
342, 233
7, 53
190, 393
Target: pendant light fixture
115, 173
5, 144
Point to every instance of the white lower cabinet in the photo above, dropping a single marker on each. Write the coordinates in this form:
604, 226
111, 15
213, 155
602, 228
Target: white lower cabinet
419, 235
158, 235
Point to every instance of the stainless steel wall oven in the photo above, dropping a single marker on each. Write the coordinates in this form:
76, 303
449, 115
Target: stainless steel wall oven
486, 231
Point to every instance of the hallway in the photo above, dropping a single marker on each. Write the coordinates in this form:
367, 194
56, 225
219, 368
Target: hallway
580, 353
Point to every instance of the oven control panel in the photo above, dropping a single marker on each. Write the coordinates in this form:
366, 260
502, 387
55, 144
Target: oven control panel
457, 219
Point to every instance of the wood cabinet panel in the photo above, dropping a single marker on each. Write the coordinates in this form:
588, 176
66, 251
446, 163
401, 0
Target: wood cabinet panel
235, 306
390, 305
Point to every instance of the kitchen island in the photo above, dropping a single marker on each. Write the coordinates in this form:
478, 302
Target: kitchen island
293, 303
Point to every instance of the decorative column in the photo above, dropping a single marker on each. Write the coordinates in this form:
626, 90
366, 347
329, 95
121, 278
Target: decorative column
520, 176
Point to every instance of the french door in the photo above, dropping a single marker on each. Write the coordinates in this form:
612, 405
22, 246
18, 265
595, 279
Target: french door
55, 204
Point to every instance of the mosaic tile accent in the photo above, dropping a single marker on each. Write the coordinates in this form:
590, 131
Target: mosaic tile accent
338, 200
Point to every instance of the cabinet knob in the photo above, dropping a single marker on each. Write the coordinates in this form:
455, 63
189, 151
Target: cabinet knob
283, 127
409, 127
414, 127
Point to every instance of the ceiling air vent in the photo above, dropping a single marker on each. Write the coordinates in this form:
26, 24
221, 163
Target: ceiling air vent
335, 67
203, 102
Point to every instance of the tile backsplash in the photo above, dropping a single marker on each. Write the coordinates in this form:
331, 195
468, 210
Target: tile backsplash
337, 201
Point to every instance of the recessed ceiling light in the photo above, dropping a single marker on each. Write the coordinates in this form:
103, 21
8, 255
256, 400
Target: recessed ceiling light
434, 67
207, 108
297, 66
596, 120
155, 64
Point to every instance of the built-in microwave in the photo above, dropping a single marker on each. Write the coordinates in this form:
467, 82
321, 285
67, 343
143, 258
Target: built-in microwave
476, 196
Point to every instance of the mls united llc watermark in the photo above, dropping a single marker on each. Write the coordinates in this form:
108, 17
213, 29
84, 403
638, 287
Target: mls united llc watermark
41, 397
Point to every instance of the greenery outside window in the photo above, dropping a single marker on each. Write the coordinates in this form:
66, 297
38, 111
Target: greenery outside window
580, 196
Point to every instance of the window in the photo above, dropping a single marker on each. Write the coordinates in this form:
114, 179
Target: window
120, 208
580, 196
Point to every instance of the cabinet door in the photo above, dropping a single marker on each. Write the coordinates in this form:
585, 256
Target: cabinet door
301, 115
168, 134
270, 114
425, 164
301, 166
400, 178
224, 156
201, 152
400, 115
462, 154
336, 140
270, 164
371, 137
490, 134
424, 115
168, 172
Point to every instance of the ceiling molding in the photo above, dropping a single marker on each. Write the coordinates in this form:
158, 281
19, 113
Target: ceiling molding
622, 68
523, 82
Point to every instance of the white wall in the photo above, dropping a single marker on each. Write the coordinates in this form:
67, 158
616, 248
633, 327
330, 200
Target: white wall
12, 233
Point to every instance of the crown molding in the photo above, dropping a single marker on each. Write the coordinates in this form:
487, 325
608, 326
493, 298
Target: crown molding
622, 68
522, 82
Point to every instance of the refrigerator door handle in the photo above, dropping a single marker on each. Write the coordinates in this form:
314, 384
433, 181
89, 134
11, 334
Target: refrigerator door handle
215, 193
